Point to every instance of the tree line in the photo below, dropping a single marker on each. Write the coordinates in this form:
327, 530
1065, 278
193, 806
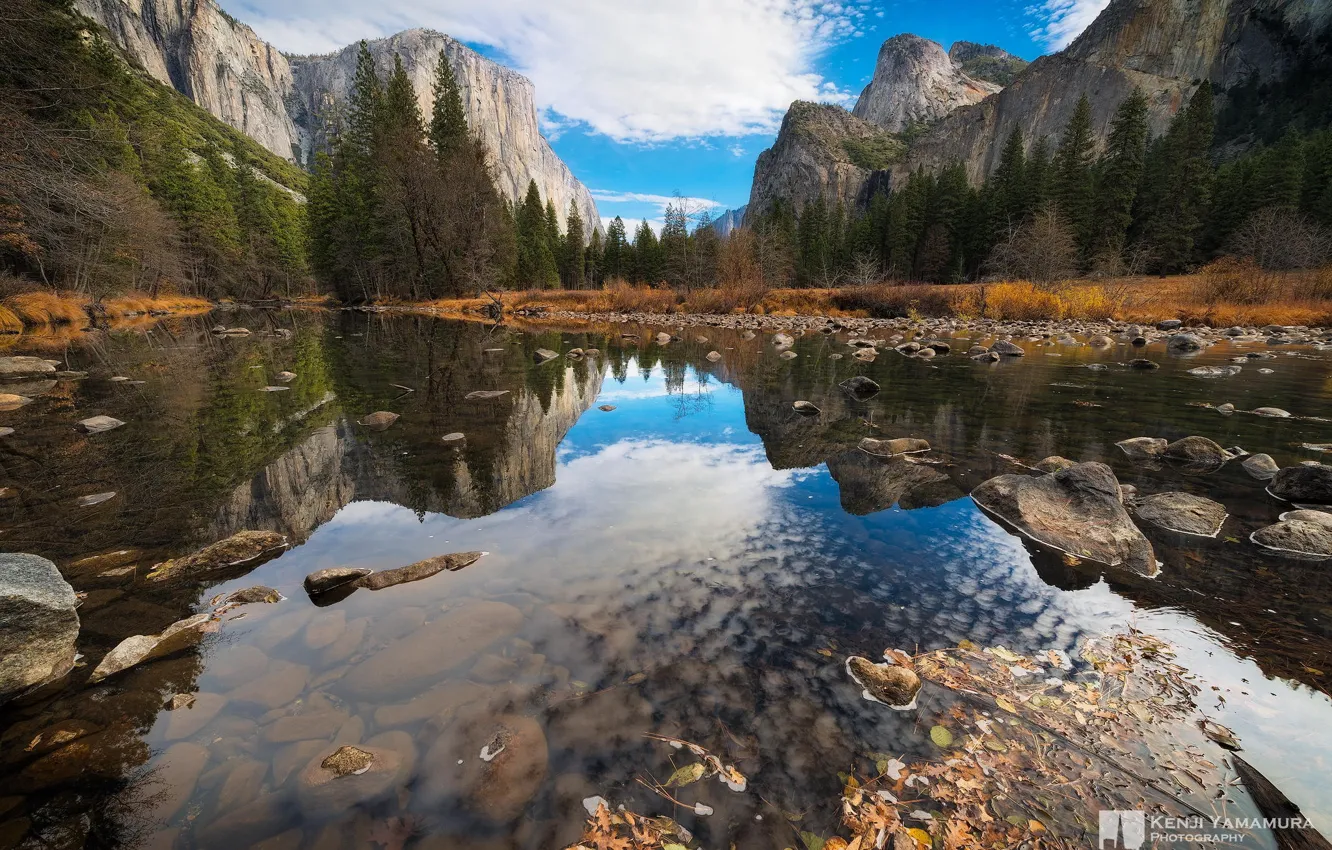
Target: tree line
1141, 205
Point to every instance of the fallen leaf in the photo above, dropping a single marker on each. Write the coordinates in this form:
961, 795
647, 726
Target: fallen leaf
941, 737
685, 775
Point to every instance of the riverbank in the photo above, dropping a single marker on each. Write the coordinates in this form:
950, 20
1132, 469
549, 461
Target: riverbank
43, 308
1218, 299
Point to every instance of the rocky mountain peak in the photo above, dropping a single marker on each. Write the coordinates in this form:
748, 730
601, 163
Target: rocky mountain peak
986, 62
916, 82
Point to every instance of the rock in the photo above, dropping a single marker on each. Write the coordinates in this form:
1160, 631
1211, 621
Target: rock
494, 669
663, 338
14, 368
915, 83
1076, 510
135, 650
783, 340
274, 389
98, 424
94, 499
1182, 512
860, 388
304, 727
894, 447
1214, 371
337, 781
1225, 409
248, 825
285, 377
1143, 364
242, 548
1261, 466
542, 355
39, 626
1141, 448
1197, 451
441, 701
1273, 412
380, 420
504, 761
184, 722
419, 570
249, 596
606, 408
890, 684
1297, 537
322, 581
1100, 341
478, 395
278, 687
1004, 348
1305, 483
714, 356
432, 650
1169, 325
1306, 515
926, 353
1186, 342
1054, 463
171, 783
244, 781
805, 408
454, 438
325, 629
788, 355
986, 356
11, 401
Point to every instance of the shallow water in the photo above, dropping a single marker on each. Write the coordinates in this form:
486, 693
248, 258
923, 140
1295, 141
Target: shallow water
695, 563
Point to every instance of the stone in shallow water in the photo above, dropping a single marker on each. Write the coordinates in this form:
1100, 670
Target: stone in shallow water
11, 401
241, 548
453, 438
1054, 463
40, 624
861, 388
891, 684
1141, 448
606, 408
285, 377
419, 570
132, 651
805, 408
1272, 412
894, 447
541, 355
274, 389
249, 596
379, 420
351, 776
1144, 364
504, 761
1005, 348
98, 424
322, 581
1298, 537
24, 367
1198, 451
185, 721
477, 395
94, 499
1076, 510
1261, 466
1304, 483
1182, 512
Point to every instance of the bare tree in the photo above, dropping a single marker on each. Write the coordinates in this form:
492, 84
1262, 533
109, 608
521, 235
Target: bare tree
1042, 250
864, 270
1278, 238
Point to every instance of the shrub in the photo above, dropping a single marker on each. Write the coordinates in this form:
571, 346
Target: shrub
884, 301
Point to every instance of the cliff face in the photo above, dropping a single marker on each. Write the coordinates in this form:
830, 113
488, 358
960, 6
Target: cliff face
915, 82
1164, 47
286, 102
986, 62
728, 221
821, 151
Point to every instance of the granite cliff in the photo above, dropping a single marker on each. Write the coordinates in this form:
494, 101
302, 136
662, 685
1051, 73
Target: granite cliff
915, 82
286, 102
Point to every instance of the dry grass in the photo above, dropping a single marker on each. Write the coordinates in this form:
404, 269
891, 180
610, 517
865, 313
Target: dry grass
41, 307
138, 303
1219, 295
10, 323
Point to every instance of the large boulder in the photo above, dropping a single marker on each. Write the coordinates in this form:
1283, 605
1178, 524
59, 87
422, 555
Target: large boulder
1004, 348
15, 368
1182, 512
1076, 510
420, 659
134, 650
1300, 538
39, 625
1186, 342
1305, 483
894, 447
1197, 451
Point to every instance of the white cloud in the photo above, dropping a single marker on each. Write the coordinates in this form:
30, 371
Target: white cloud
631, 224
1061, 21
737, 149
611, 197
634, 70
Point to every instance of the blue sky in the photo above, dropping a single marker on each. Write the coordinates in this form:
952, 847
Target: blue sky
645, 99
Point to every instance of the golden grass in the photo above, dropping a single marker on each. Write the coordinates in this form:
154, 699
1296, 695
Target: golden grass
10, 323
41, 307
138, 303
1209, 297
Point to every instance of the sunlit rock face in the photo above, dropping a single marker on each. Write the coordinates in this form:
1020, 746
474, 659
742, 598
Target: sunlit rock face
286, 102
1164, 47
915, 82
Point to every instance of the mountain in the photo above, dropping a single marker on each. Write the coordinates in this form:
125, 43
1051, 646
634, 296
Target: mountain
287, 103
1164, 47
729, 221
821, 150
915, 82
986, 62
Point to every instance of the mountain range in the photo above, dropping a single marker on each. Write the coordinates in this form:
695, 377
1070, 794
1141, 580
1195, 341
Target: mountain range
288, 103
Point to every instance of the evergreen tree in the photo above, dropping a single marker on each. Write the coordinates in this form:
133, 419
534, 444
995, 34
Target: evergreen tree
554, 239
448, 121
812, 249
674, 245
647, 255
1071, 184
1010, 195
1039, 177
613, 261
595, 260
400, 110
575, 251
1174, 221
1119, 176
536, 262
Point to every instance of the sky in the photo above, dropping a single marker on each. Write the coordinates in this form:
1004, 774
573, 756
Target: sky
650, 100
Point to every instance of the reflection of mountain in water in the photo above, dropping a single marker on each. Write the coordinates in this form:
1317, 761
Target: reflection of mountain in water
341, 463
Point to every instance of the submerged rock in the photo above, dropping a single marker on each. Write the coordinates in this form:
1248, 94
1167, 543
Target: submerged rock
1272, 412
1005, 348
1261, 466
12, 368
1143, 364
322, 581
541, 355
1076, 510
419, 570
497, 764
352, 776
249, 596
805, 408
1299, 537
39, 626
890, 684
894, 447
379, 420
1141, 448
1214, 371
98, 424
1182, 512
860, 388
1186, 342
242, 548
1305, 483
1197, 451
478, 395
132, 651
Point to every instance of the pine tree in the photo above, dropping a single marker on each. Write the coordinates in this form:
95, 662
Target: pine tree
1120, 174
575, 251
400, 110
1010, 195
674, 244
647, 255
362, 108
594, 260
1038, 177
1071, 184
536, 262
448, 121
554, 239
1175, 222
613, 261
